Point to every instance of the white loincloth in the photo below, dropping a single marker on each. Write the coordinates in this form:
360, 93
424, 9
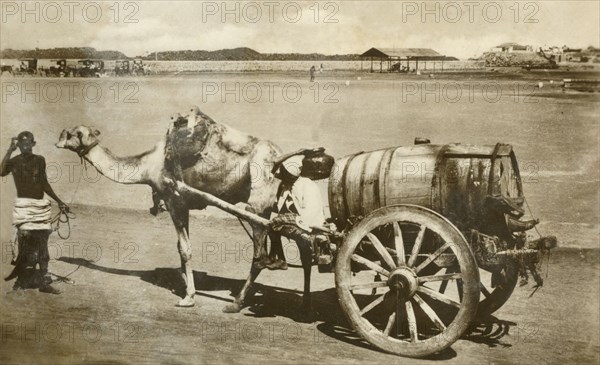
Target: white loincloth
32, 214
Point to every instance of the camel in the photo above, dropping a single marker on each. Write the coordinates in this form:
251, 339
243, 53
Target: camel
208, 156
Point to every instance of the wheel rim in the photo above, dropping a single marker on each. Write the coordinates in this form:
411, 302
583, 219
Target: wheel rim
392, 301
492, 299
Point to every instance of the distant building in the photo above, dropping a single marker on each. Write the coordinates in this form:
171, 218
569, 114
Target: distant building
568, 54
512, 47
399, 59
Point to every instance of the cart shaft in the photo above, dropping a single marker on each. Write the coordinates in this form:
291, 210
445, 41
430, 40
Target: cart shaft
223, 205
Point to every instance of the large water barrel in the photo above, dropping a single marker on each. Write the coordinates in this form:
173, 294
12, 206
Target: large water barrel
452, 179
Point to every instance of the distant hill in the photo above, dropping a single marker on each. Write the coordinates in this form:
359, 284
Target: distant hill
235, 54
245, 54
59, 53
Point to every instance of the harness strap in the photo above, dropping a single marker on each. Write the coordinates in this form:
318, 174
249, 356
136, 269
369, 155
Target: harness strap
87, 149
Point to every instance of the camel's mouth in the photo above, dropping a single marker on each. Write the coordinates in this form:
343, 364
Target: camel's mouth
62, 140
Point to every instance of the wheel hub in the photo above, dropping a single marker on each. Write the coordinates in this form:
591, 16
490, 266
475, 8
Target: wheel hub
405, 281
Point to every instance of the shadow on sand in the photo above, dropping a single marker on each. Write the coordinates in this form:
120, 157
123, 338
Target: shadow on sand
269, 302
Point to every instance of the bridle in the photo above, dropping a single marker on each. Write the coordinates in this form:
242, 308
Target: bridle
81, 153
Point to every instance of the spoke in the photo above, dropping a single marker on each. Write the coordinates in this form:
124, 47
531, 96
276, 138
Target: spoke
432, 257
382, 250
438, 296
399, 244
417, 246
390, 324
430, 313
444, 277
444, 283
484, 290
412, 321
375, 284
372, 305
371, 265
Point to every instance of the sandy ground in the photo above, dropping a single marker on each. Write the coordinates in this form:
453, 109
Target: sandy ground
120, 308
124, 262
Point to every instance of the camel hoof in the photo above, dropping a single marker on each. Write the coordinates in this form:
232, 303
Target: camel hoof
232, 308
262, 263
186, 302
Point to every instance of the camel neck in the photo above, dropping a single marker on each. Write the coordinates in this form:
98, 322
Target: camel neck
123, 170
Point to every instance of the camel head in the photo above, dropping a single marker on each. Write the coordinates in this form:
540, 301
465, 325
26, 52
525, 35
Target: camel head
78, 139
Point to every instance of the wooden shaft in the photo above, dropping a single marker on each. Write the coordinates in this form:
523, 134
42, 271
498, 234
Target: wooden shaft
223, 205
238, 212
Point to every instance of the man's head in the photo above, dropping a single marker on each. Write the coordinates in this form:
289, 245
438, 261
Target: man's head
290, 169
25, 142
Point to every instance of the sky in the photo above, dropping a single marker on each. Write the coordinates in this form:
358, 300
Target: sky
454, 28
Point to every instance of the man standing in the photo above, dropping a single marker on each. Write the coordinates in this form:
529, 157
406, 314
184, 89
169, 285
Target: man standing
312, 73
32, 214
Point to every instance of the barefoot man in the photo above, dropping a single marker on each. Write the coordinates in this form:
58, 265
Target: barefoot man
31, 215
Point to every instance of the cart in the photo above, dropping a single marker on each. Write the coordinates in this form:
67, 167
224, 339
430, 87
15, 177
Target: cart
60, 69
90, 68
122, 68
138, 68
27, 66
428, 238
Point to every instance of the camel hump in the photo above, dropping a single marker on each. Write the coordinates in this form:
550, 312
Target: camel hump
236, 141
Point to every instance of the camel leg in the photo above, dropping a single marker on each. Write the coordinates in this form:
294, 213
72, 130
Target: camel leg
259, 240
180, 216
238, 302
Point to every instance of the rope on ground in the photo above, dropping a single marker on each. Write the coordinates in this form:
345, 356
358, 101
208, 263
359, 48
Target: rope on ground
66, 278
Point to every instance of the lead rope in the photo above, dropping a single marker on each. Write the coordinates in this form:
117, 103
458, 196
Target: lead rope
64, 217
58, 219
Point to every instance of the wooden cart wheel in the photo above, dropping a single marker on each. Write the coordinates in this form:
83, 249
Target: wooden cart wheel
491, 299
387, 271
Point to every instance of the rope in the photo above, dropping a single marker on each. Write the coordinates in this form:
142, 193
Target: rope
58, 219
66, 278
531, 214
245, 229
540, 236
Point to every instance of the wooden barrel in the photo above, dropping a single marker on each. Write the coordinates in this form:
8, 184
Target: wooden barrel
452, 179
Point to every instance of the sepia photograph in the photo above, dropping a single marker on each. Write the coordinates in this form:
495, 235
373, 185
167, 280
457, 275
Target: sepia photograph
300, 181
